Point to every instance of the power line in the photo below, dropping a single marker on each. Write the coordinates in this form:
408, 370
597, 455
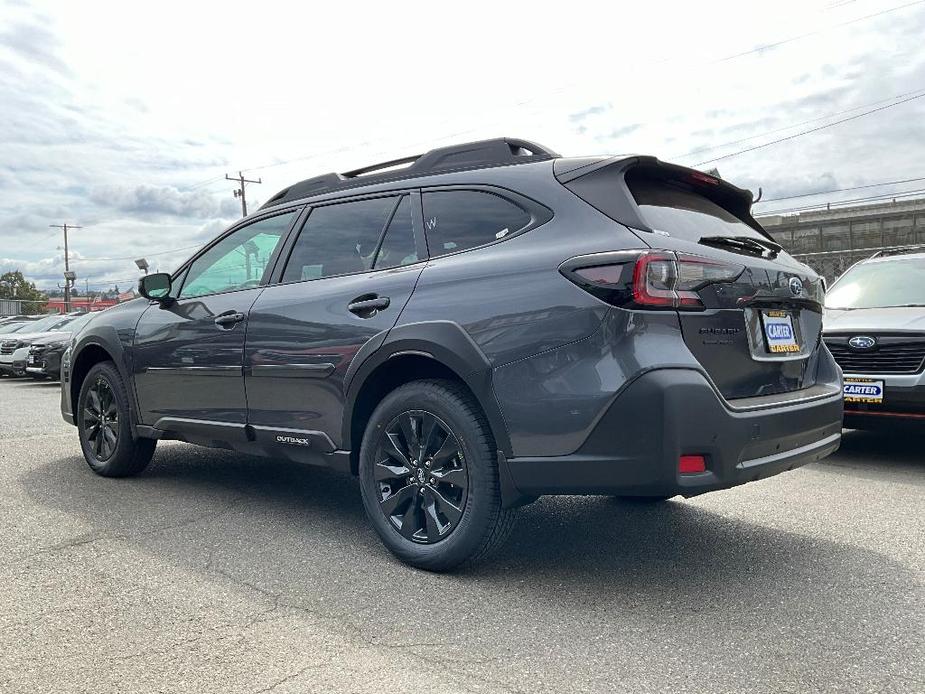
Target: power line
795, 125
239, 192
811, 130
843, 190
838, 203
791, 39
132, 257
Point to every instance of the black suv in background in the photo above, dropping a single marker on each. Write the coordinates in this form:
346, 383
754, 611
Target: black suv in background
488, 324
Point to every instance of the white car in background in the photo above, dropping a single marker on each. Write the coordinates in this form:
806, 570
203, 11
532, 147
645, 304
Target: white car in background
10, 344
875, 328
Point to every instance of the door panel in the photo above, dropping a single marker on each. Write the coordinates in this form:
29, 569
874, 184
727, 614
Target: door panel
301, 338
186, 365
189, 354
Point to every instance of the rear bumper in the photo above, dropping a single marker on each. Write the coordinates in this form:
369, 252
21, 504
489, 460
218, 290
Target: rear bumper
666, 413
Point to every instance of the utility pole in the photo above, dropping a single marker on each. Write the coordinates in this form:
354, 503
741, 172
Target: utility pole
239, 192
67, 267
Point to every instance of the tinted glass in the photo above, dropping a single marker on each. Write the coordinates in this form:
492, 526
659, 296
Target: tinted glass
239, 260
455, 220
683, 213
339, 239
899, 282
398, 246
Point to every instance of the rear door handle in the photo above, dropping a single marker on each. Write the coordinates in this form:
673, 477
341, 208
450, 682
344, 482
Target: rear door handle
366, 307
229, 320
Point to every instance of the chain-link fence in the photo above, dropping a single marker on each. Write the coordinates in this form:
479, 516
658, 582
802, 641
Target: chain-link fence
831, 264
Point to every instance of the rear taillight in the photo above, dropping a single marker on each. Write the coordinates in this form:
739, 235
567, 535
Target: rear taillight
650, 279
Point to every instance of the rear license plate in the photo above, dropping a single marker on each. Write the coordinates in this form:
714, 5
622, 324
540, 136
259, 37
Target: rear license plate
778, 332
864, 390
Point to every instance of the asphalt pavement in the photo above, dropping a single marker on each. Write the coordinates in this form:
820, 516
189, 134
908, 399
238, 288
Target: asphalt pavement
215, 572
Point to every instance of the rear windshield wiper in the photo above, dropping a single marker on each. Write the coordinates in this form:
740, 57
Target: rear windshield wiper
749, 244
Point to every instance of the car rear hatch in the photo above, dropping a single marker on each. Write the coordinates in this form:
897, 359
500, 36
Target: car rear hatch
749, 313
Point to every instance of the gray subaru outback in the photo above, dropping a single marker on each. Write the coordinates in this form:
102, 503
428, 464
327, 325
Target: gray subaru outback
469, 329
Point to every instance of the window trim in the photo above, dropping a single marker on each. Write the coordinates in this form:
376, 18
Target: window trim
539, 213
416, 223
182, 272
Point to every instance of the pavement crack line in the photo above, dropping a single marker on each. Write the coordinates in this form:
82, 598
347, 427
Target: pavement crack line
287, 678
86, 540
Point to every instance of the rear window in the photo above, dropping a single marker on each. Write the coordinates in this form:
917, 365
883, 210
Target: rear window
684, 213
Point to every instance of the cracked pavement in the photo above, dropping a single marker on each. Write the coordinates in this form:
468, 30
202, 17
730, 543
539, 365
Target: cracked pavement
214, 572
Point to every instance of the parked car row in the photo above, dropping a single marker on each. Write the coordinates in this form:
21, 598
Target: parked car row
33, 347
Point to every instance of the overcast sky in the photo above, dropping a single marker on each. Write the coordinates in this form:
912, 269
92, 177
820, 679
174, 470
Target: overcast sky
124, 116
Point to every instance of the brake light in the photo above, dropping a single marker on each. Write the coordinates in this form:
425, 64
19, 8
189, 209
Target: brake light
673, 279
649, 279
703, 178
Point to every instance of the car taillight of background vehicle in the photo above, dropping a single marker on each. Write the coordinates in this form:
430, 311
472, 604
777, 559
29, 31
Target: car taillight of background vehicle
652, 279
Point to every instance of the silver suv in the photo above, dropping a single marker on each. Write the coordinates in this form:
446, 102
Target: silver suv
875, 329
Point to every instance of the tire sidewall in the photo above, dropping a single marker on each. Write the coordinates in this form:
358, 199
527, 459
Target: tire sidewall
478, 513
124, 446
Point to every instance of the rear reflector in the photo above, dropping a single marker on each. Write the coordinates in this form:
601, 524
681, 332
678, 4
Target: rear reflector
692, 464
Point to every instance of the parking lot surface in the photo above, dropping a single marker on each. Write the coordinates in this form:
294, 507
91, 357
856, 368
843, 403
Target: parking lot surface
214, 572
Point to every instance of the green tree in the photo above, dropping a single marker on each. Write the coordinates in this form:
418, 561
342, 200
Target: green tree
14, 286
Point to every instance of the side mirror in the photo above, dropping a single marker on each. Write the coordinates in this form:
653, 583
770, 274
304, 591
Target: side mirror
155, 287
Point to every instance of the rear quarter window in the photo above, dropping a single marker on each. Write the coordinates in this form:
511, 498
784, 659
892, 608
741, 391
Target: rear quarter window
456, 220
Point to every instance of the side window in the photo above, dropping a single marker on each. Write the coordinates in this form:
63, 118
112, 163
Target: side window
239, 260
455, 220
339, 239
398, 245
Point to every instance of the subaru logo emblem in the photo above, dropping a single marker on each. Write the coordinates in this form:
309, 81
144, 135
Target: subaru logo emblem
861, 342
796, 286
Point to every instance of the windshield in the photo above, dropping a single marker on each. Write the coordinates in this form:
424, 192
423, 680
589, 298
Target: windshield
11, 327
881, 284
47, 324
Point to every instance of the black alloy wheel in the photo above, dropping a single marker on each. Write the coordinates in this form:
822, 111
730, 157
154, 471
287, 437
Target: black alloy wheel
101, 420
421, 475
104, 424
429, 479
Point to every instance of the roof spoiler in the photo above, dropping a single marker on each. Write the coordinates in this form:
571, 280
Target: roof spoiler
591, 180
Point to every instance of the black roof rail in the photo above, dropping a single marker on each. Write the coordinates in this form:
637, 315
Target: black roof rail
472, 155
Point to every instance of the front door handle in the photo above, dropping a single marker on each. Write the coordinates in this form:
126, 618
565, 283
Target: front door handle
229, 320
368, 305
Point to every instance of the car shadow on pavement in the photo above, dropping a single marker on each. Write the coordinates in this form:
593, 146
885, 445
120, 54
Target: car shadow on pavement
580, 578
306, 525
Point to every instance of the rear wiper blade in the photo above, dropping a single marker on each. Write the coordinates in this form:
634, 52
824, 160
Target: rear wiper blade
746, 243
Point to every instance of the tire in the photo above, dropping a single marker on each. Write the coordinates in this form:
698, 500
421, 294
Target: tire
450, 502
109, 447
